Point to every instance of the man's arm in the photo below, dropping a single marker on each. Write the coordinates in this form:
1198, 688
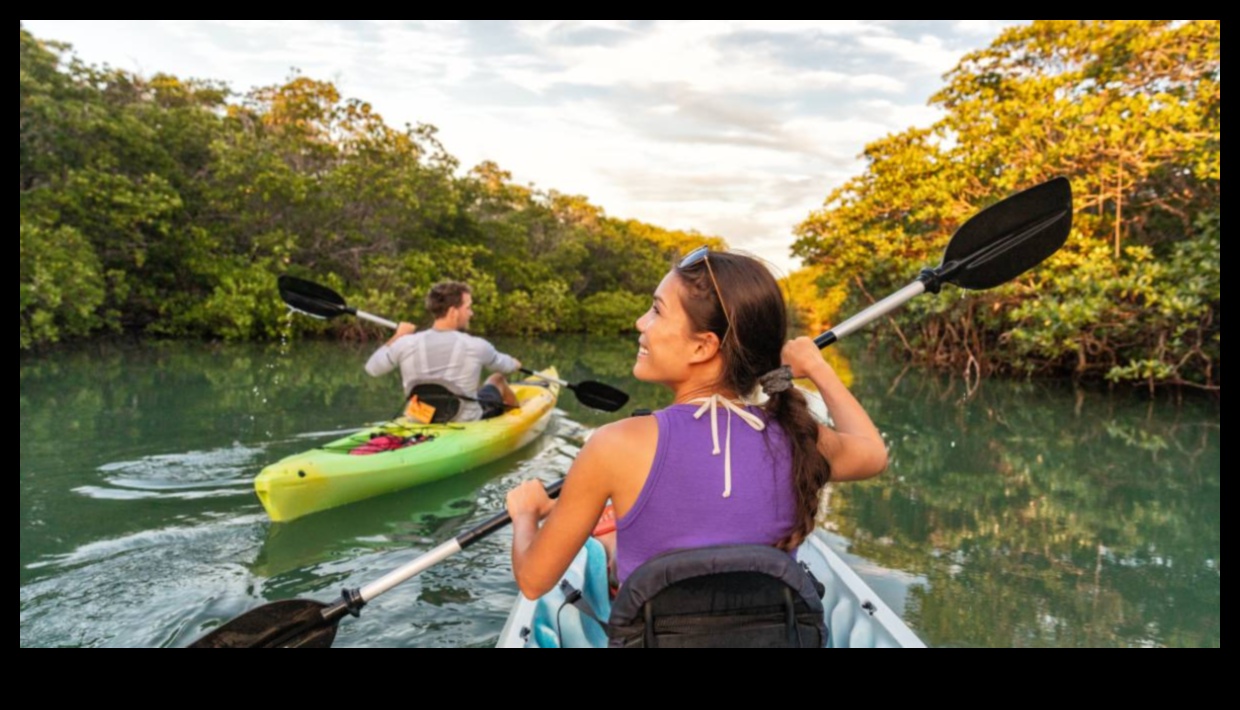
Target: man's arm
496, 361
386, 358
401, 331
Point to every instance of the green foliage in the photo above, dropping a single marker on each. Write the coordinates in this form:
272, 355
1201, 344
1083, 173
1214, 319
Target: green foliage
545, 310
240, 307
1130, 111
1162, 314
612, 312
60, 284
185, 202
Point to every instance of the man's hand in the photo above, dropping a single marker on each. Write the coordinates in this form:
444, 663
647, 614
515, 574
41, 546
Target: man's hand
401, 331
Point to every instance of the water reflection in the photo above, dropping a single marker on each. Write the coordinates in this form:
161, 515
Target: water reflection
1040, 515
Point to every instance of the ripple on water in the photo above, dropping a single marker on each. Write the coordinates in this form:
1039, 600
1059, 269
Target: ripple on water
194, 474
156, 588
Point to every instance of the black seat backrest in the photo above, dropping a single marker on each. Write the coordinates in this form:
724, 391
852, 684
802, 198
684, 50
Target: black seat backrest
446, 403
731, 596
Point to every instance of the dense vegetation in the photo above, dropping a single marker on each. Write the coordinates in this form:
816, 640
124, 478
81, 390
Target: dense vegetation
167, 207
1130, 112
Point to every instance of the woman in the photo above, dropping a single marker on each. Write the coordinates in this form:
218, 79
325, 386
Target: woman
712, 468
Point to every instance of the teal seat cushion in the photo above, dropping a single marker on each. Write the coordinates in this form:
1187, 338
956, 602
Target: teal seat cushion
559, 625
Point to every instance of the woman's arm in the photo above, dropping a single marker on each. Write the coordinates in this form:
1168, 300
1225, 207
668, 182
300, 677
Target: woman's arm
540, 555
854, 447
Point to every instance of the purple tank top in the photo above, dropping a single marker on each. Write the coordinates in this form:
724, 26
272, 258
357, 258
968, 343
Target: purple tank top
682, 503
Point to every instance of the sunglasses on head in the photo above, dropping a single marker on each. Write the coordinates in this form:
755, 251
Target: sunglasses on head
693, 257
701, 254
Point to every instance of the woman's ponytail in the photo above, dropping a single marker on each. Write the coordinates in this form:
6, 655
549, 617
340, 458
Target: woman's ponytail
810, 469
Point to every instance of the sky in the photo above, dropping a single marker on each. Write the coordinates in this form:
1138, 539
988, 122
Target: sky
734, 128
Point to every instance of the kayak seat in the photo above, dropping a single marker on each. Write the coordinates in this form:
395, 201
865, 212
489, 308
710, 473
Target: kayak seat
556, 622
727, 596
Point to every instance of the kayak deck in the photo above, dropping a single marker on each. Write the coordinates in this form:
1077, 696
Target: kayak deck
331, 476
856, 617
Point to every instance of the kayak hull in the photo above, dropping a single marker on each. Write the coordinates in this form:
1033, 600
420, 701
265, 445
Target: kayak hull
329, 476
856, 617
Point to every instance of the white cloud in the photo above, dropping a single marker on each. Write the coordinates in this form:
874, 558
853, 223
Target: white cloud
732, 127
543, 29
982, 28
841, 28
927, 52
684, 53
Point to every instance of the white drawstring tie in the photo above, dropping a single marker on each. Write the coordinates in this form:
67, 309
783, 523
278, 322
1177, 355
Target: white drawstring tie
712, 403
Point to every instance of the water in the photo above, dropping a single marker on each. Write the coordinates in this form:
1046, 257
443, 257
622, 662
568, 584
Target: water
1025, 514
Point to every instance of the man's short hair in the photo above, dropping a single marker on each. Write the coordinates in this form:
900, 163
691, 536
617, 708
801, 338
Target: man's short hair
445, 295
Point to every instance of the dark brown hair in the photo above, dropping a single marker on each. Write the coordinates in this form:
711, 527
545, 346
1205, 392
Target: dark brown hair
750, 349
445, 295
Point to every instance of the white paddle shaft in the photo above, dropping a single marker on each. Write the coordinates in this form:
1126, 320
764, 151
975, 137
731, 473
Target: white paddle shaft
376, 319
400, 574
879, 309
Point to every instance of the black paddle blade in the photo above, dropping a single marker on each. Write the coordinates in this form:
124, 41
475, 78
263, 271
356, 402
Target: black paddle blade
292, 623
599, 396
311, 298
1010, 237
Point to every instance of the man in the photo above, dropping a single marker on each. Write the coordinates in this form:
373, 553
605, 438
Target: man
448, 356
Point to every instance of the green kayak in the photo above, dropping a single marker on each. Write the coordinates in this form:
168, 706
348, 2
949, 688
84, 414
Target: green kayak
339, 472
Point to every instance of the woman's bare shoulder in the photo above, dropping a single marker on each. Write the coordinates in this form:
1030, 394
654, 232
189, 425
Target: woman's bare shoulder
624, 436
617, 457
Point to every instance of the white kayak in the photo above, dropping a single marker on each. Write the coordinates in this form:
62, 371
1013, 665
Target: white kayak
855, 616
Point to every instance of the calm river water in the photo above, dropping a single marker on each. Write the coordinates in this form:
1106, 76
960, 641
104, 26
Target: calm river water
1027, 514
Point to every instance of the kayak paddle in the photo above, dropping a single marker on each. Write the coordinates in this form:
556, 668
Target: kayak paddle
319, 301
305, 623
996, 245
590, 393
